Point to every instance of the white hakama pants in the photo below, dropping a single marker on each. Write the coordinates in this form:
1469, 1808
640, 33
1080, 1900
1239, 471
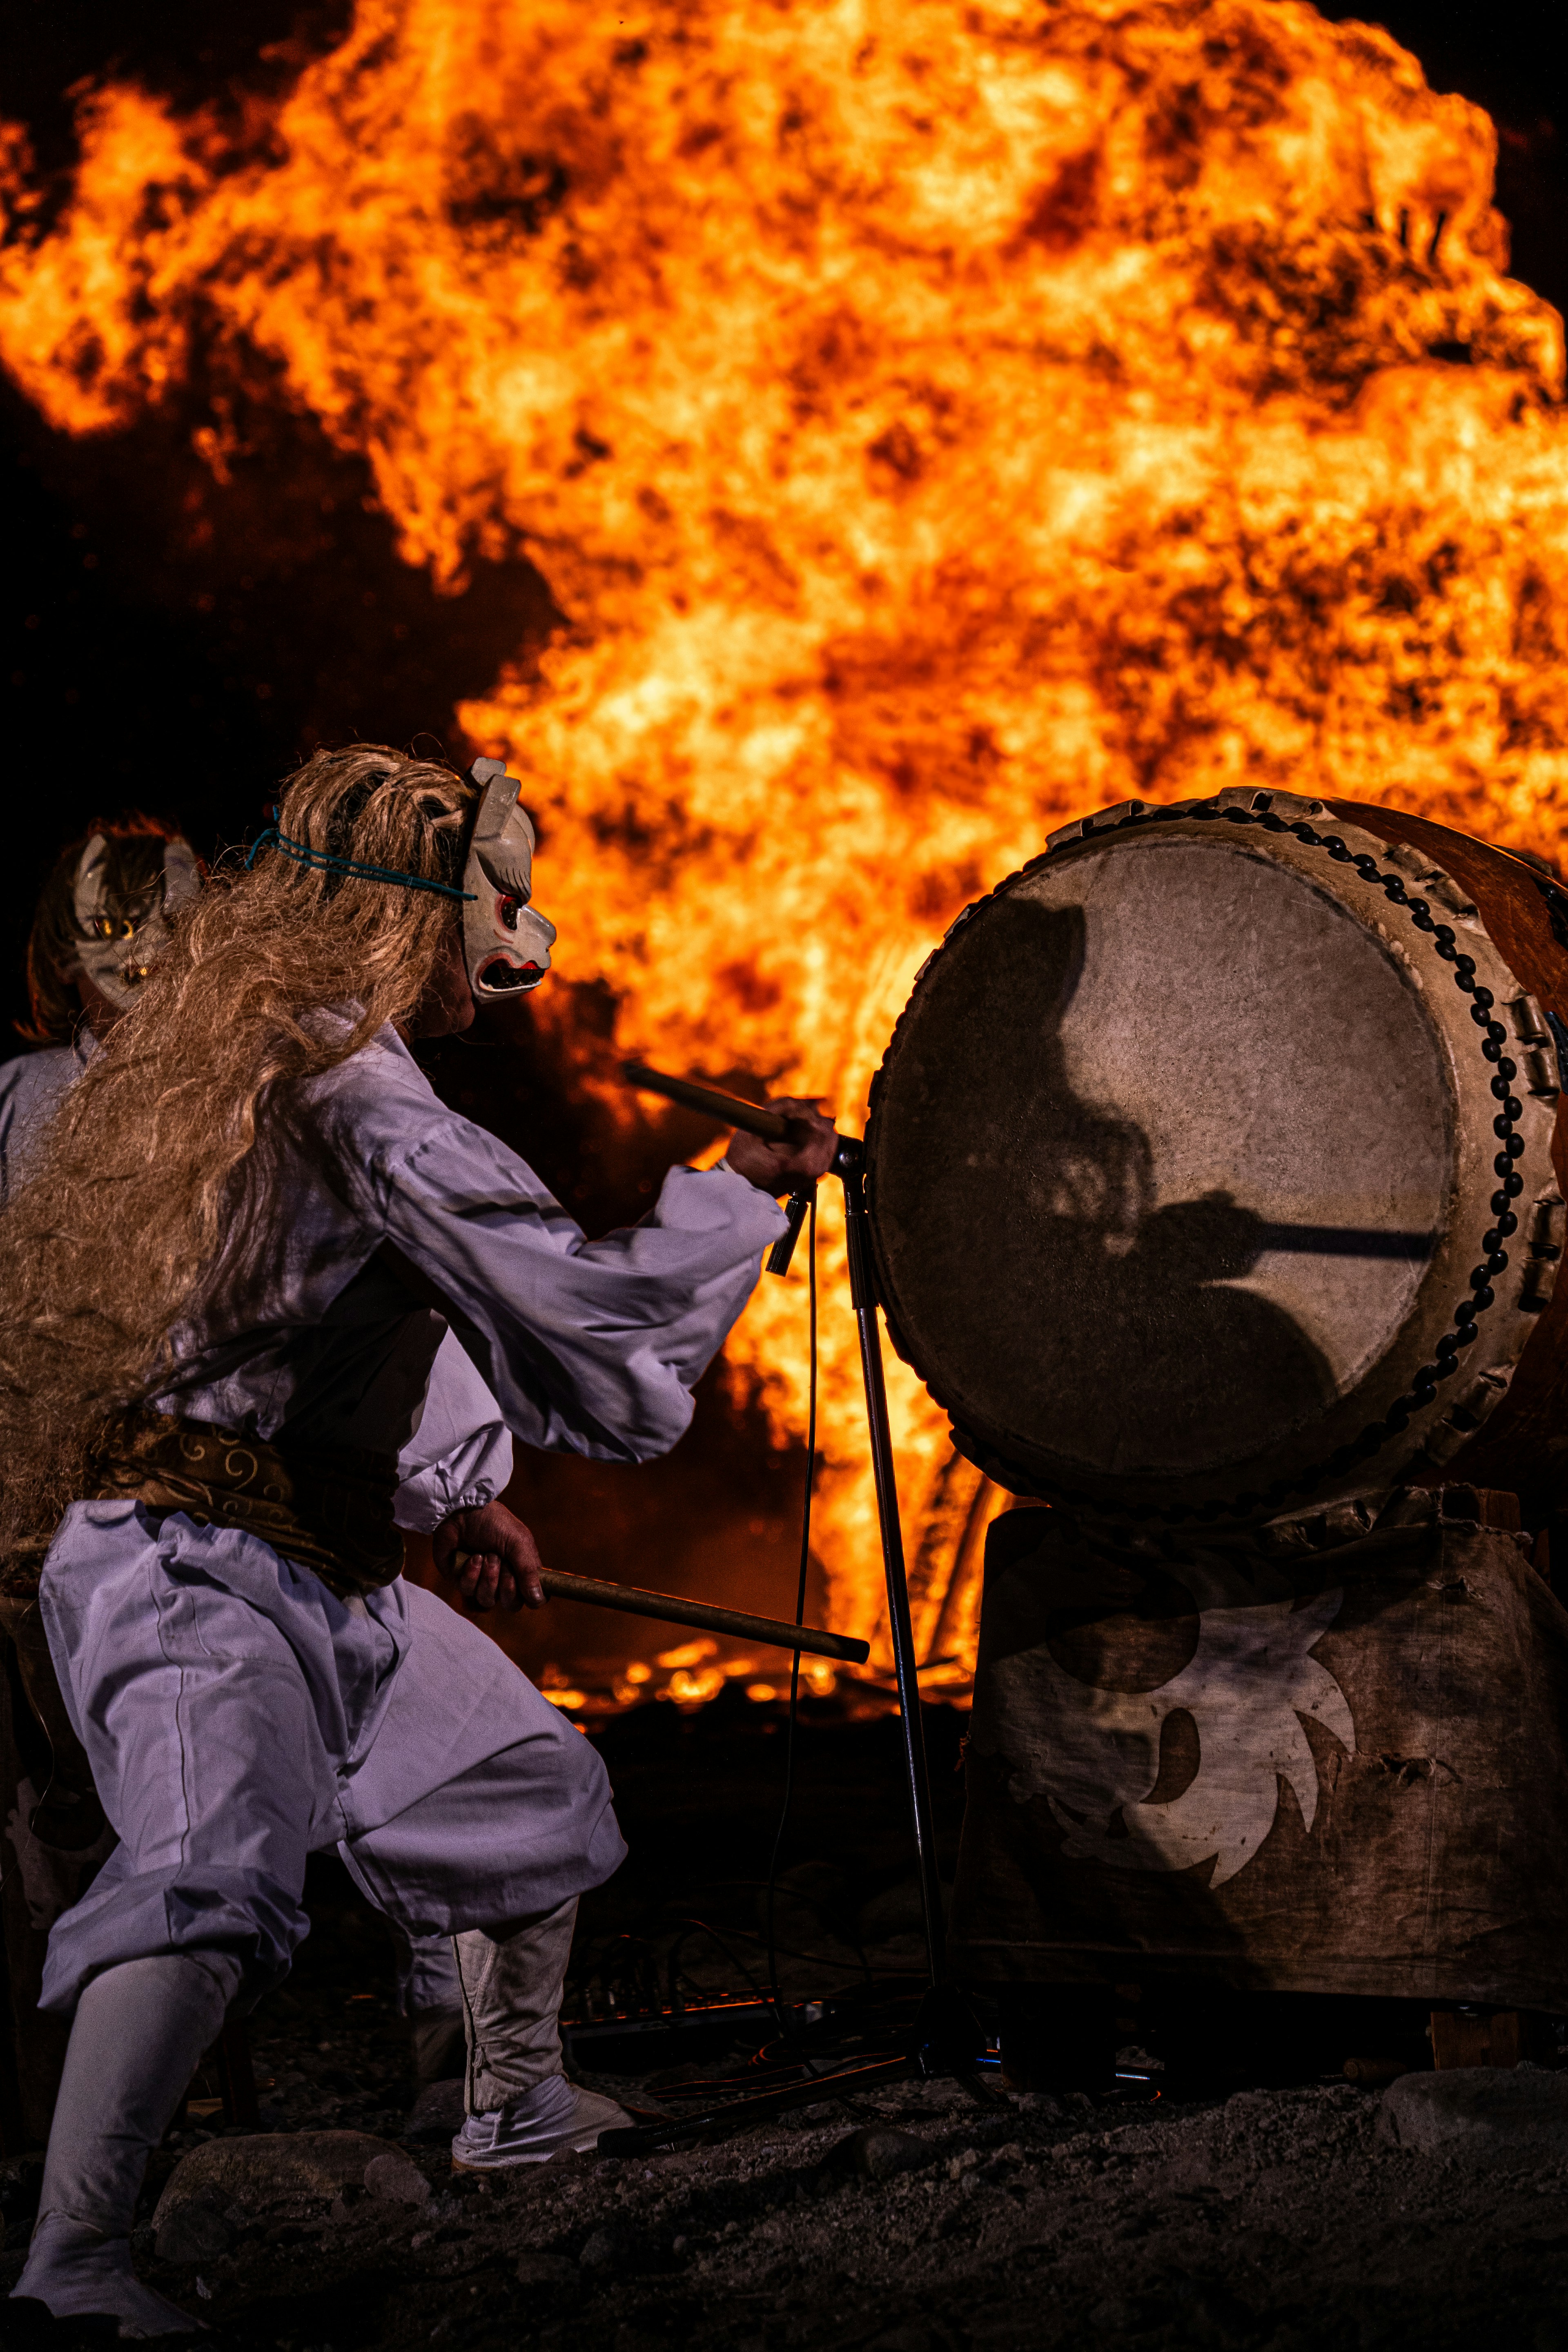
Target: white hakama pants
239, 1717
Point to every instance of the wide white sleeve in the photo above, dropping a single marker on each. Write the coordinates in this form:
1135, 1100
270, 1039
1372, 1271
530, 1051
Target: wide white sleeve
459, 1454
32, 1089
589, 1347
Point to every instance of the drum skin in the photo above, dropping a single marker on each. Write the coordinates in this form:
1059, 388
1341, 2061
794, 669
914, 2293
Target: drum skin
1214, 1167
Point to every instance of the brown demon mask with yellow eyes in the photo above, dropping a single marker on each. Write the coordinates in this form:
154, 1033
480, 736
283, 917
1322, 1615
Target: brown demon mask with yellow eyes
117, 938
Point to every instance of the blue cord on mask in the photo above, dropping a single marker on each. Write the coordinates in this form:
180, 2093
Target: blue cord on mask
304, 854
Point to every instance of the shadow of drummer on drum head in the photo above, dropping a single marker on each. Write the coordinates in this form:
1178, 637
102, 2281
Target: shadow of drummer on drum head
1118, 1332
1202, 1365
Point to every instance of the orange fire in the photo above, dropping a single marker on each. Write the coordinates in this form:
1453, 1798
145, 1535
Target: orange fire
933, 420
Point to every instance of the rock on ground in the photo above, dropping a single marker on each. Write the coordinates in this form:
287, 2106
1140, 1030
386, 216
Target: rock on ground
215, 2190
1494, 2111
264, 2166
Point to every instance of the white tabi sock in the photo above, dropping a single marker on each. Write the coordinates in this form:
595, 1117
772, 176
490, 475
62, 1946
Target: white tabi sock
139, 2033
554, 2117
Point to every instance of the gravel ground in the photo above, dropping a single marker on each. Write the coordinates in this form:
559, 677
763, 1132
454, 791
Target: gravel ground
1278, 2219
916, 2220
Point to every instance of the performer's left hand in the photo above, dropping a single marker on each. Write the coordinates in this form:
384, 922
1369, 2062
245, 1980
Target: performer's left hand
778, 1167
501, 1570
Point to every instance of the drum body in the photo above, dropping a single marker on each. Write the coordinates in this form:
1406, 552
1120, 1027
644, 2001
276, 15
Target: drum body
1214, 1167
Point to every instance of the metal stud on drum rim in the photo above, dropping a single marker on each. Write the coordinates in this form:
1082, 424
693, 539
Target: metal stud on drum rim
1210, 1166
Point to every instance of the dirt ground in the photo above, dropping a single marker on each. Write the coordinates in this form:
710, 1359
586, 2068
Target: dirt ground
1271, 2216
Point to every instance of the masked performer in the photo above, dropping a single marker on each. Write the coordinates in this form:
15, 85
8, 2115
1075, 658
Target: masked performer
216, 1298
103, 916
105, 912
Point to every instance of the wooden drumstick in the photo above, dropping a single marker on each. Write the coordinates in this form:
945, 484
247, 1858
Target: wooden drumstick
665, 1606
732, 1111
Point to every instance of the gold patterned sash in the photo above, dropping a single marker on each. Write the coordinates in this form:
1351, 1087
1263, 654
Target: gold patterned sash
328, 1508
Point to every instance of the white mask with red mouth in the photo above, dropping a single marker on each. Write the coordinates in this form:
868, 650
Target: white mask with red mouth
116, 944
506, 941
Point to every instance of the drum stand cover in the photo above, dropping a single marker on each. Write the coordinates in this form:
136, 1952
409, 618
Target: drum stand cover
1346, 1773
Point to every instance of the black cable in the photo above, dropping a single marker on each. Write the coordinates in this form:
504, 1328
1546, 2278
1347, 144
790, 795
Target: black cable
645, 1993
812, 1903
672, 1959
784, 2026
860, 1965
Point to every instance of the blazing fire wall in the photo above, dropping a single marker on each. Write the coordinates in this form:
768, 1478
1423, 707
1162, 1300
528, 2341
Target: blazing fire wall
928, 424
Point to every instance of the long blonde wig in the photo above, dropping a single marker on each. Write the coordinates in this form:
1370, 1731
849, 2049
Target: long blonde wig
155, 1189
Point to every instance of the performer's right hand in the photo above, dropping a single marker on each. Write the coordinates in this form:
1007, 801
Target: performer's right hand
776, 1167
502, 1568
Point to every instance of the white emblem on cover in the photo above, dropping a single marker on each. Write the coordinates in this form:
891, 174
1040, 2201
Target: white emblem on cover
1247, 1687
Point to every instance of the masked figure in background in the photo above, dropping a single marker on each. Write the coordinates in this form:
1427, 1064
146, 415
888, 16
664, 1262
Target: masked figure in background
104, 914
254, 1220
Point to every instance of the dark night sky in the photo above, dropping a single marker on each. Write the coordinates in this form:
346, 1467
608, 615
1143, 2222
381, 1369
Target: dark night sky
142, 668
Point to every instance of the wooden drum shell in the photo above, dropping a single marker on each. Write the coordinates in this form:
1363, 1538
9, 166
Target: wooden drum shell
1522, 1447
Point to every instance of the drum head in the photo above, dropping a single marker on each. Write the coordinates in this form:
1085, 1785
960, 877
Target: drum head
1166, 1169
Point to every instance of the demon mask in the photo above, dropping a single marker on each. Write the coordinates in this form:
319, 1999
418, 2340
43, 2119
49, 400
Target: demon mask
118, 936
506, 940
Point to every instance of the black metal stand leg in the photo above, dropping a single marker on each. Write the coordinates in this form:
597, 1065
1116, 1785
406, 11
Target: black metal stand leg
944, 2040
849, 1165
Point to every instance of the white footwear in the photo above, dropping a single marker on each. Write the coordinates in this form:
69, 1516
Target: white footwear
76, 2272
554, 2119
139, 2032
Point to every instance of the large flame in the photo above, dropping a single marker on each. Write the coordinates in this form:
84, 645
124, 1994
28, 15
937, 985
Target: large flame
933, 420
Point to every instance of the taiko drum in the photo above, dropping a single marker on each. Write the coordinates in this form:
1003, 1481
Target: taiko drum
1216, 1171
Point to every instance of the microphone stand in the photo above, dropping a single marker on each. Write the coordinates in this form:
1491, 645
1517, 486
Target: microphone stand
944, 2040
849, 1166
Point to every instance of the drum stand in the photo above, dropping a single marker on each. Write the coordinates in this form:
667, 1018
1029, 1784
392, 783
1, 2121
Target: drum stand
944, 2040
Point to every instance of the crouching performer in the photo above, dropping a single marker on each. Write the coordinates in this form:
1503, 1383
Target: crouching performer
104, 915
223, 1286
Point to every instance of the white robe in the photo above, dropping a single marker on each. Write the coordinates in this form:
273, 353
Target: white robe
236, 1715
458, 1454
32, 1089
